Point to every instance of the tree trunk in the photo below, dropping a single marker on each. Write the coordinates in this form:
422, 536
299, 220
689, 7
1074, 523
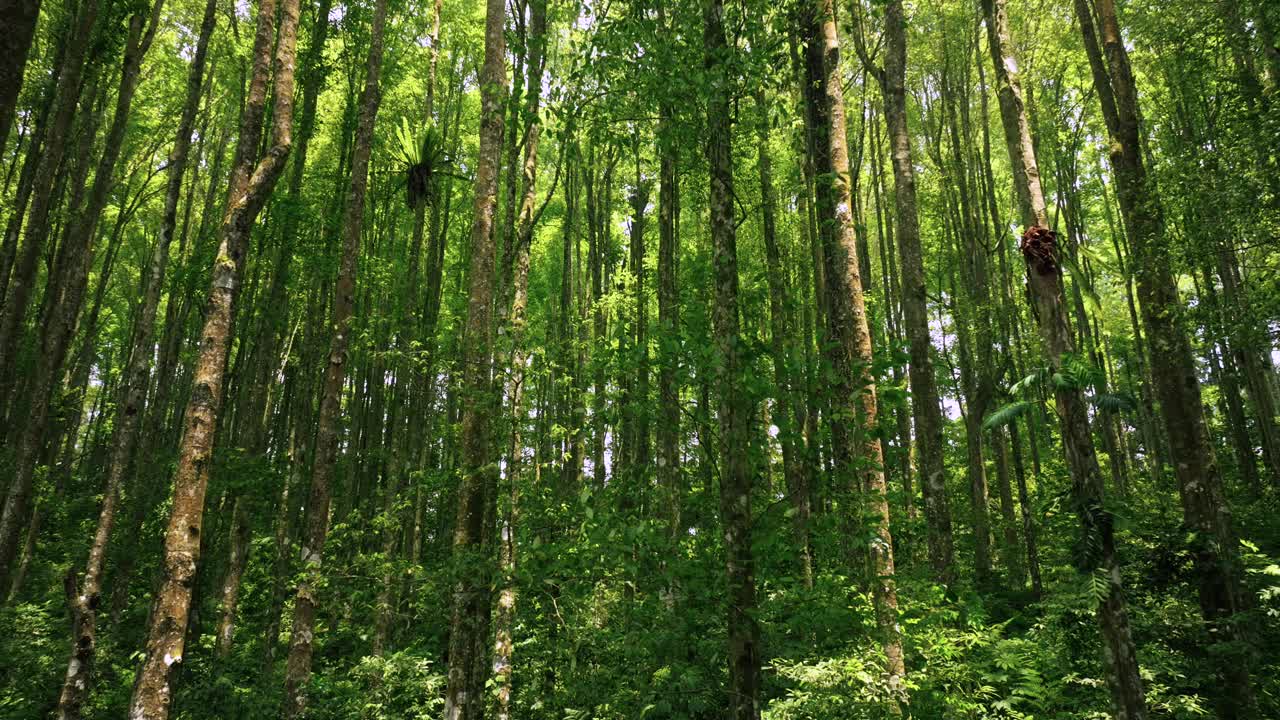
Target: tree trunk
22, 281
599, 337
1095, 552
1028, 513
469, 622
298, 668
250, 187
973, 318
59, 329
1173, 367
37, 136
855, 441
256, 403
736, 473
925, 408
637, 444
18, 17
504, 645
134, 386
669, 336
784, 417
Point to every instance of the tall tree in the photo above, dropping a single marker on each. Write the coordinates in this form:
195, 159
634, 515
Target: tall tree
516, 320
88, 596
926, 409
71, 76
733, 409
668, 430
66, 286
855, 440
787, 420
1173, 368
469, 621
250, 187
1096, 550
298, 668
19, 19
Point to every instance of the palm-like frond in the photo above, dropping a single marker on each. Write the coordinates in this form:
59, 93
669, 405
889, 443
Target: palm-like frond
1007, 414
1115, 402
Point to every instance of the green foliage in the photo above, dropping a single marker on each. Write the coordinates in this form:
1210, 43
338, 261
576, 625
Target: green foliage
424, 159
399, 685
32, 640
1115, 402
1007, 414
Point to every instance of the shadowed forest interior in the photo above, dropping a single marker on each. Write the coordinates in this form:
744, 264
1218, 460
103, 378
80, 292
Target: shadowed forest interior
640, 359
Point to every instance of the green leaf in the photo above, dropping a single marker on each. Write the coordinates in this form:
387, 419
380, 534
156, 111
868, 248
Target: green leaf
1115, 402
1007, 414
1092, 301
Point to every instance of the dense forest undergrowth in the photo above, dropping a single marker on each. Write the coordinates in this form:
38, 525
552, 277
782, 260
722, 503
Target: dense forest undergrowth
634, 359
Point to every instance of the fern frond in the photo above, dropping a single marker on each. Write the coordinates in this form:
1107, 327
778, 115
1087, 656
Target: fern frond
1115, 402
1007, 414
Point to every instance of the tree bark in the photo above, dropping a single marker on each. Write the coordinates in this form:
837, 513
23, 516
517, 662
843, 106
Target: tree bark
298, 667
1173, 367
637, 443
23, 278
1096, 551
87, 600
856, 450
250, 187
18, 17
469, 621
787, 421
64, 307
733, 411
926, 410
669, 335
504, 622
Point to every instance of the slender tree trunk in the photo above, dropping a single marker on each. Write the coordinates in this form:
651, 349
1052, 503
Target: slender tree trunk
59, 329
571, 360
125, 431
736, 473
1011, 552
469, 622
813, 289
250, 187
46, 189
299, 450
313, 75
973, 317
1173, 367
892, 293
38, 130
779, 332
504, 645
18, 17
669, 336
1227, 378
599, 336
302, 637
855, 441
925, 407
256, 404
1027, 513
1251, 346
23, 279
1096, 551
